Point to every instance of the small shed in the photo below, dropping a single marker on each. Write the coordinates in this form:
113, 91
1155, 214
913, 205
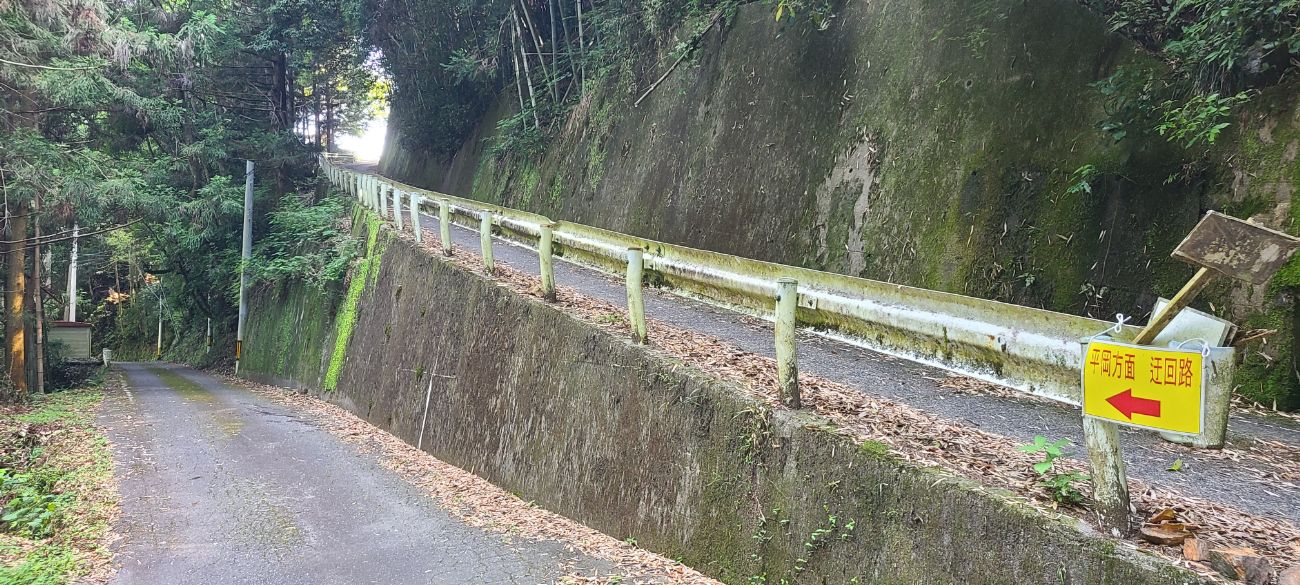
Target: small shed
74, 336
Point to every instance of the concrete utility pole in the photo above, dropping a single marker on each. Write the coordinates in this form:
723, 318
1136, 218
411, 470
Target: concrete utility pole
72, 275
157, 353
243, 266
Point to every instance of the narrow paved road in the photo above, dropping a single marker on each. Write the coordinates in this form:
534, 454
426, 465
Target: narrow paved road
221, 485
1246, 484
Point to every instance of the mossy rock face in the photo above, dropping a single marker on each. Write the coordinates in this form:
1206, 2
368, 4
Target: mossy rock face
924, 143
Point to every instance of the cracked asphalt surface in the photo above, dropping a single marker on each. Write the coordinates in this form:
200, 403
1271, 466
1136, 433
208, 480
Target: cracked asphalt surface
1244, 483
221, 485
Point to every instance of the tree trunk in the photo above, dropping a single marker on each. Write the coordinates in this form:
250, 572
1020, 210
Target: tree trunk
281, 104
15, 305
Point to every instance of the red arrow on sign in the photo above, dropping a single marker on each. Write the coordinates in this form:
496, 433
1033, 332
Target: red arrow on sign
1128, 405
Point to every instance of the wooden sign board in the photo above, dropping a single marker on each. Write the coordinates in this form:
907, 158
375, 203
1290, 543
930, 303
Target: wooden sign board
1237, 249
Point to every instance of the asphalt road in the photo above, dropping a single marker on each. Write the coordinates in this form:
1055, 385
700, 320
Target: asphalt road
221, 485
1245, 484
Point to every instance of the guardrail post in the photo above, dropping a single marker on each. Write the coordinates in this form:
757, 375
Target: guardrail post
444, 225
635, 302
415, 218
787, 366
380, 188
397, 208
544, 259
485, 239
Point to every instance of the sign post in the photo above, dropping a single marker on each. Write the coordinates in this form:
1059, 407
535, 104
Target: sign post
1166, 389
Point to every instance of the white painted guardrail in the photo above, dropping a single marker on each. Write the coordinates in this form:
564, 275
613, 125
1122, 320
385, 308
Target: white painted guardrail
1027, 349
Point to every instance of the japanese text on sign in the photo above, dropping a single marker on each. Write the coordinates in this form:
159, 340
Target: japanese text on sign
1144, 386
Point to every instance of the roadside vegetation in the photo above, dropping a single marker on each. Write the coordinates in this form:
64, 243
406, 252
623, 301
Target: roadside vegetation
57, 492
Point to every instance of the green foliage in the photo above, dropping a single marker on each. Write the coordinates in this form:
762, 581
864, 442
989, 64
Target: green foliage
1081, 180
821, 536
442, 56
1132, 98
518, 136
1220, 40
31, 507
1062, 487
817, 12
1199, 120
306, 243
54, 466
50, 564
1219, 44
1216, 49
1050, 451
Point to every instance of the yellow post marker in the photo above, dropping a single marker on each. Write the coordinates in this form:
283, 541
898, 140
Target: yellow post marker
1147, 387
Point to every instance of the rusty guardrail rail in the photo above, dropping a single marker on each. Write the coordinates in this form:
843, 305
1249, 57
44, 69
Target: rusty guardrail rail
1031, 350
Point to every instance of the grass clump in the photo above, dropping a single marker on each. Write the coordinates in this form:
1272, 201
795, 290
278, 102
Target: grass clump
56, 492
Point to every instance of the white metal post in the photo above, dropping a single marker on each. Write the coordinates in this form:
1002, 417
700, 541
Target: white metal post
787, 367
544, 259
415, 218
444, 225
635, 302
397, 208
485, 239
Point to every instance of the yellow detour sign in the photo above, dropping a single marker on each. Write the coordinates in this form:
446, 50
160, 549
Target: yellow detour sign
1144, 386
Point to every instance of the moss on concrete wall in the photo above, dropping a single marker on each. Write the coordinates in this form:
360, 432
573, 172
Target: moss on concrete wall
637, 445
924, 143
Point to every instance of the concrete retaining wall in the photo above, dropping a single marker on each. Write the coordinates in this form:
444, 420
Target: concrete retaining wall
637, 445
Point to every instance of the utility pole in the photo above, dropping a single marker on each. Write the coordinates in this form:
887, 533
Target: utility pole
243, 266
72, 275
38, 300
158, 349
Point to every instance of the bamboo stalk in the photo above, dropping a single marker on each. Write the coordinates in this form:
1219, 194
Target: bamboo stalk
582, 51
537, 44
519, 34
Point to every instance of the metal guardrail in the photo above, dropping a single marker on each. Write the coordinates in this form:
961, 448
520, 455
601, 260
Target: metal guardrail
1031, 350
